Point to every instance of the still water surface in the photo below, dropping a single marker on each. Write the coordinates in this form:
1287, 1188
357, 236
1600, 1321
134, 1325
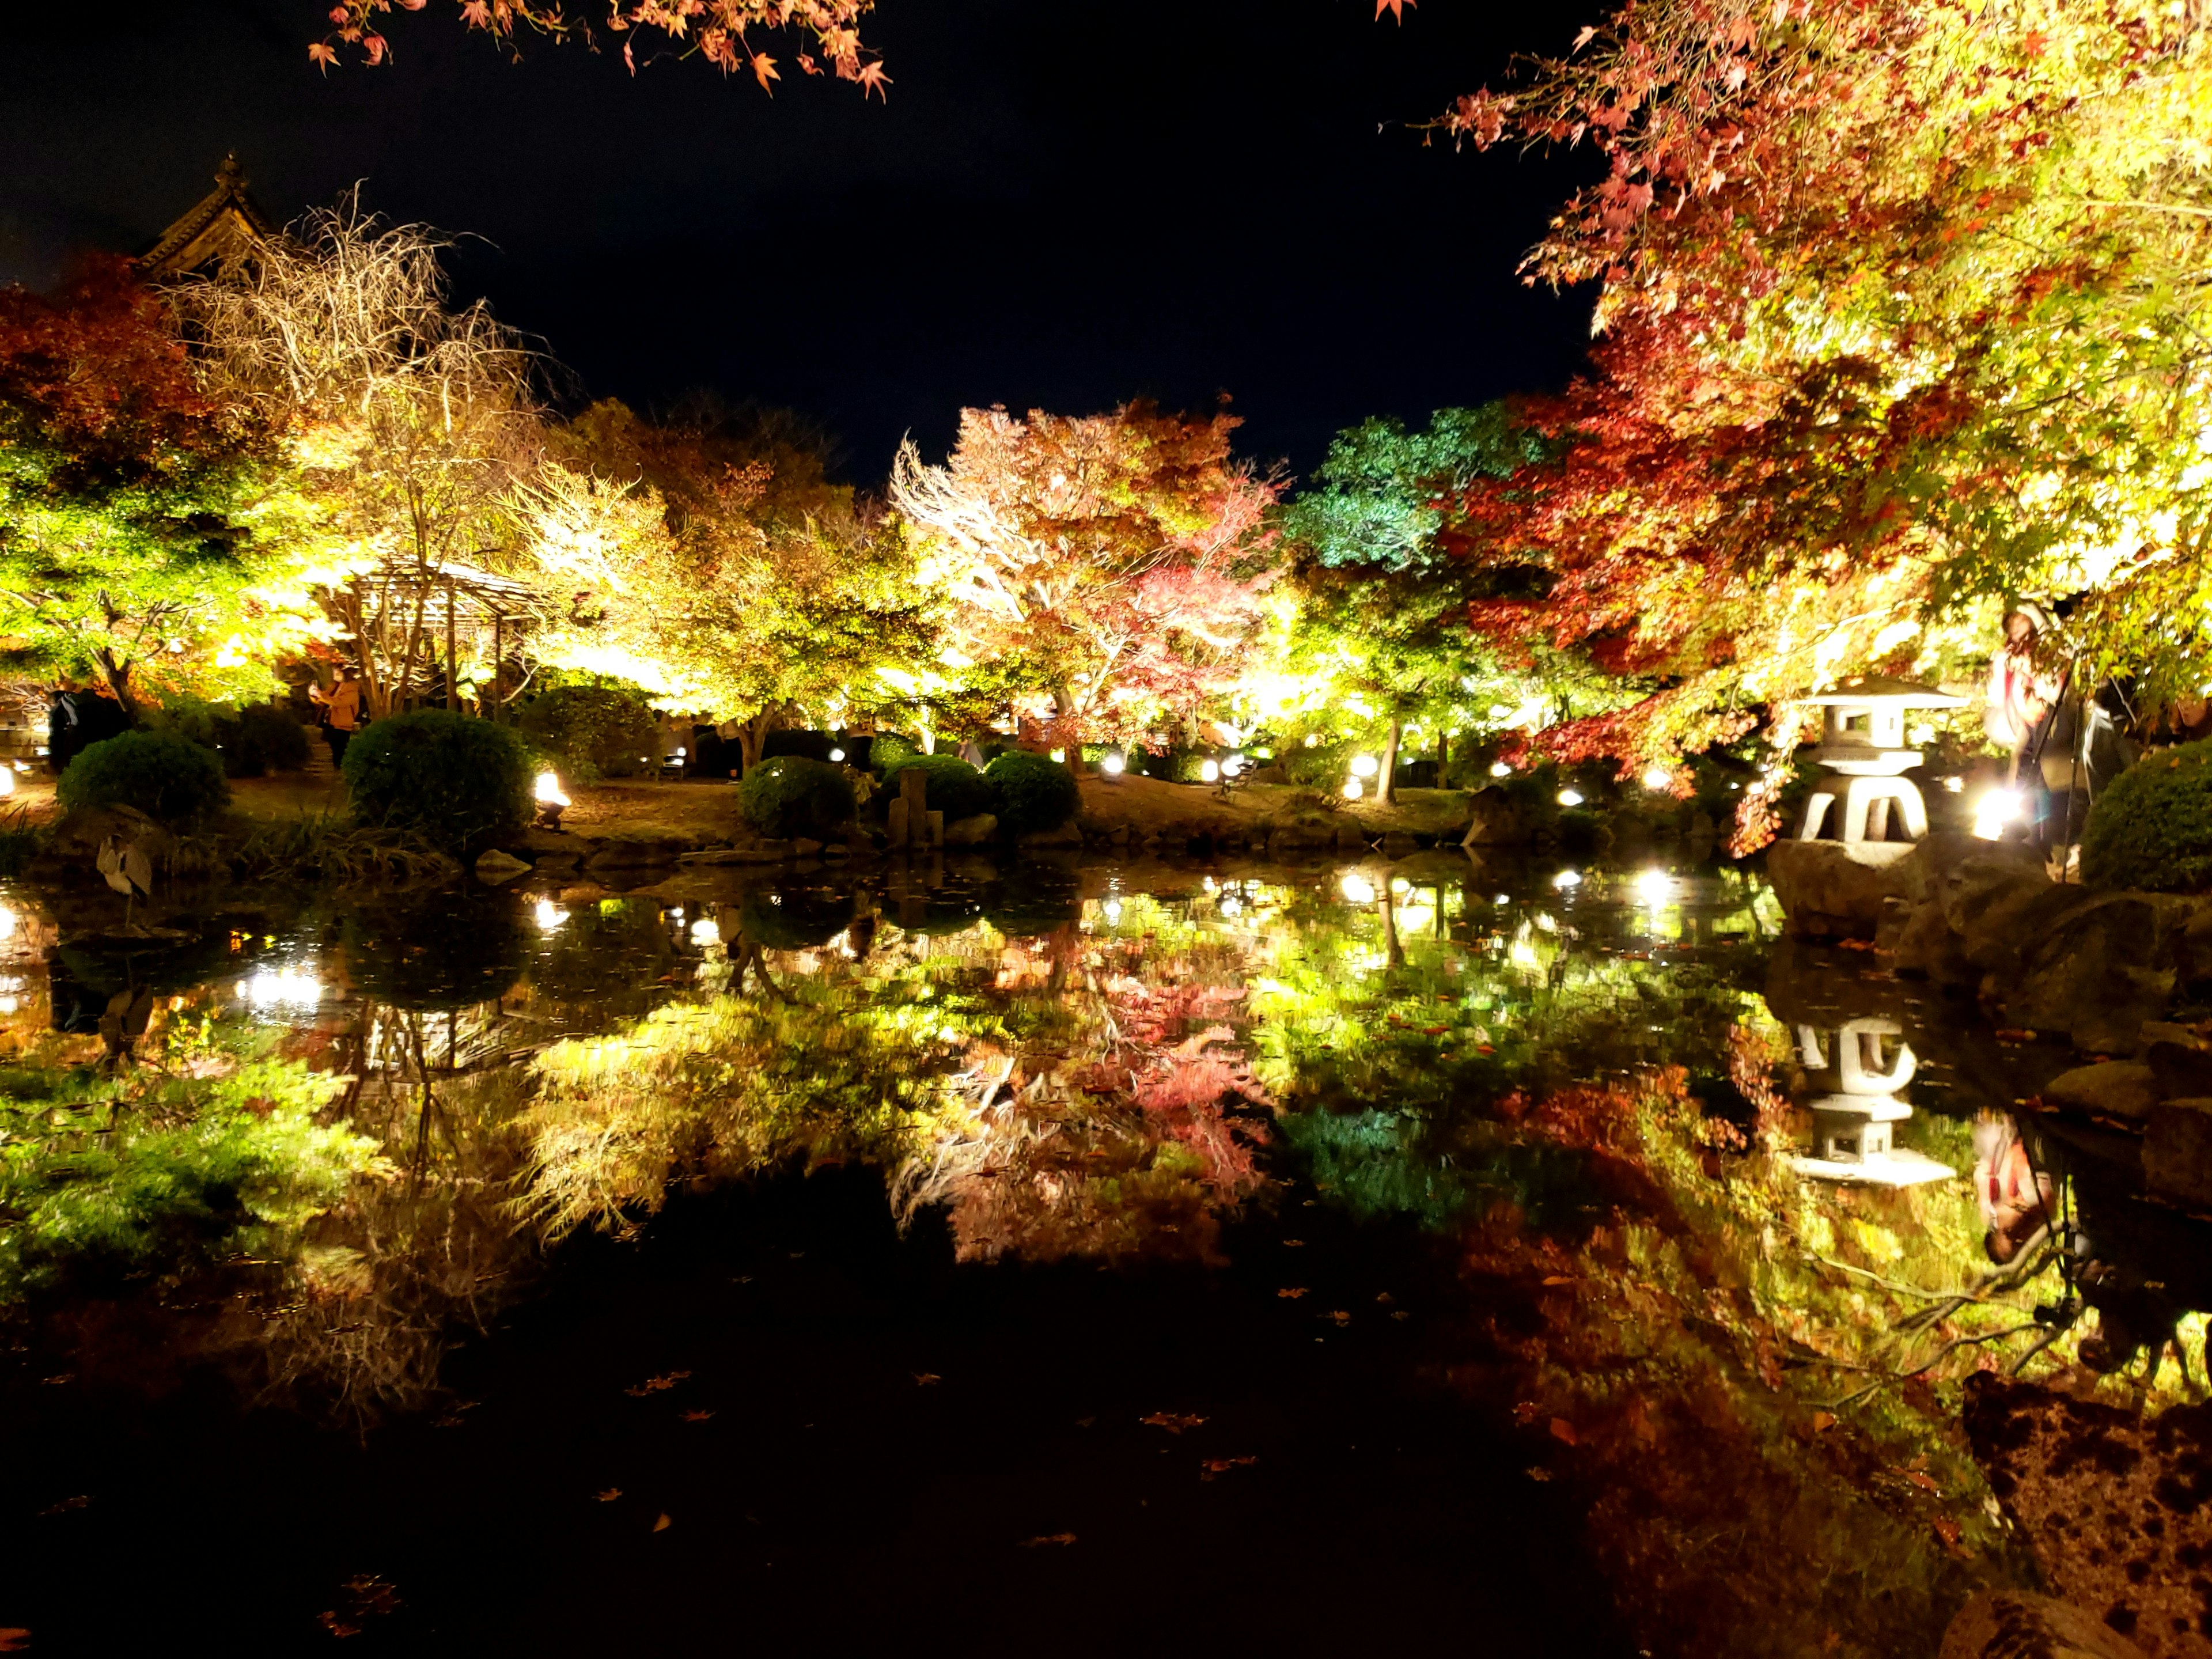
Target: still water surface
1082, 1255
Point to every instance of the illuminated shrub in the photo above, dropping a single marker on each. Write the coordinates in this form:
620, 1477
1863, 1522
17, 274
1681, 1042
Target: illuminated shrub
955, 789
791, 795
889, 749
2152, 828
163, 774
1035, 792
590, 732
458, 782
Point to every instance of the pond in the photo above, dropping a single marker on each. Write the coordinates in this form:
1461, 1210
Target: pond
1069, 1251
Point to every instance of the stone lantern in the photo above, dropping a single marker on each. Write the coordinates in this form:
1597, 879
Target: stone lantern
1862, 743
1854, 1103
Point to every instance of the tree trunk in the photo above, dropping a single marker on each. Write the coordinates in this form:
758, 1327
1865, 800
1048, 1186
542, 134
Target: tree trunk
1444, 765
1071, 750
118, 676
752, 738
1385, 793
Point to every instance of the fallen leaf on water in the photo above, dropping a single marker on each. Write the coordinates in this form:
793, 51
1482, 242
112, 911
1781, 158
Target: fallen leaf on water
1551, 1279
1401, 1313
1485, 1048
56, 1381
1173, 1422
1294, 1244
1823, 1421
1537, 1474
1923, 1482
337, 1626
14, 1638
1385, 1297
663, 1525
1049, 1538
696, 1417
1213, 1466
2012, 1034
1293, 1292
1084, 1422
657, 1384
1563, 1430
924, 1379
1339, 1315
609, 1495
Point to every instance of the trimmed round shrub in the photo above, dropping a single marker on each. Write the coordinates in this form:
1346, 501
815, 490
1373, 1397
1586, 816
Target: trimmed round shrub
955, 789
1035, 792
887, 749
590, 732
460, 782
791, 796
166, 777
2152, 828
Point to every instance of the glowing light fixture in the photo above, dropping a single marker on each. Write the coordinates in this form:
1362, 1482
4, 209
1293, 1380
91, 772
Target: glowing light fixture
1060, 755
1994, 811
1953, 786
1232, 765
1312, 737
1400, 885
548, 790
1500, 770
1211, 771
704, 932
1654, 887
1111, 765
1571, 798
1567, 878
1353, 789
1658, 778
835, 754
1357, 888
1364, 766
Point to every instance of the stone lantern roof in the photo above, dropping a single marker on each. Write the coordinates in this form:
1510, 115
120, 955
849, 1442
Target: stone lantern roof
1861, 690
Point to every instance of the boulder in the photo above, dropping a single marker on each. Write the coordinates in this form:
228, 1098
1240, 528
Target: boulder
1065, 835
2124, 1089
496, 867
2096, 969
1499, 820
1920, 943
1832, 888
2177, 1152
1994, 901
2008, 1624
805, 848
1397, 844
2179, 1059
973, 831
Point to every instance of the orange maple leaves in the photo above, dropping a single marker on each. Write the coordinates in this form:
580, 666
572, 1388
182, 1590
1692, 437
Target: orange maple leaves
1396, 8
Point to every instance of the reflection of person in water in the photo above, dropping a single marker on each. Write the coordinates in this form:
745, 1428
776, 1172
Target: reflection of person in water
2015, 1195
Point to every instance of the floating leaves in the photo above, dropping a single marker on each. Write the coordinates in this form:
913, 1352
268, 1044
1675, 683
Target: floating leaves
1061, 1539
1217, 1466
657, 1384
1173, 1422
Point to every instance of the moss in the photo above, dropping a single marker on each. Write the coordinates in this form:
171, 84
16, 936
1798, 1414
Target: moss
955, 789
2152, 828
791, 795
1035, 792
462, 783
164, 775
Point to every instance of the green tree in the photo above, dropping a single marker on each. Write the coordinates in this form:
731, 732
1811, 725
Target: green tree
148, 530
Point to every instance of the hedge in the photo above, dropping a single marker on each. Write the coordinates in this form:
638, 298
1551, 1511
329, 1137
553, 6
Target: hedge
791, 795
168, 777
2152, 828
1035, 792
461, 783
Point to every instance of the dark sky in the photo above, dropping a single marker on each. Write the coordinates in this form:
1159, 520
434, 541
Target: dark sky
1066, 203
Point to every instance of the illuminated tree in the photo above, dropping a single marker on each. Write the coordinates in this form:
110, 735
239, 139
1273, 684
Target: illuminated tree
1901, 311
710, 559
146, 529
412, 420
1120, 559
719, 31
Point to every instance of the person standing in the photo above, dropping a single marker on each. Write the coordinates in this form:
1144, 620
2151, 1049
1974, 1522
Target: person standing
341, 712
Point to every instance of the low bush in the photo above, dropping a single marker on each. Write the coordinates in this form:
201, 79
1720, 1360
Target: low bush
590, 732
1035, 792
460, 783
889, 749
2152, 828
955, 789
791, 796
168, 777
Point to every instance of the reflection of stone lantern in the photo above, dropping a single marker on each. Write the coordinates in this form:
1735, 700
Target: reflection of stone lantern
1863, 743
1854, 1105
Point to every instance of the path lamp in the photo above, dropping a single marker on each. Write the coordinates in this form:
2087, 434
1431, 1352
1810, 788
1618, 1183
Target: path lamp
551, 800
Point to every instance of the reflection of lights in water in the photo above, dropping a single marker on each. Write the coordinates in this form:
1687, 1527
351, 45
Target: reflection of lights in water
1111, 765
1501, 899
549, 915
1230, 905
286, 988
1353, 789
1417, 918
9, 1005
1112, 909
1654, 886
1400, 885
1994, 811
1657, 778
548, 790
1312, 737
1206, 882
1358, 888
1567, 878
704, 932
1923, 732
1954, 785
7, 921
7, 784
1366, 766
1545, 923
1500, 770
1571, 798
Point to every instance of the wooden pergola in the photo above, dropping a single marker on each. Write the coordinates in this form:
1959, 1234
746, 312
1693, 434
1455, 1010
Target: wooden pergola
395, 609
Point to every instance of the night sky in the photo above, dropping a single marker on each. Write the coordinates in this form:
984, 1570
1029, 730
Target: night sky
1066, 203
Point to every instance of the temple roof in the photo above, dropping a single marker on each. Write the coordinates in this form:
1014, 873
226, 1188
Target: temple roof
222, 227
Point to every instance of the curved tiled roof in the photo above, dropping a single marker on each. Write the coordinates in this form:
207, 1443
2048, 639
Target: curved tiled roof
222, 226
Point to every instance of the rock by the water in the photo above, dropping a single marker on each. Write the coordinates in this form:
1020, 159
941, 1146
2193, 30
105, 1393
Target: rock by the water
1833, 889
1065, 835
2098, 970
495, 867
2004, 1624
2177, 1152
973, 831
2118, 1087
